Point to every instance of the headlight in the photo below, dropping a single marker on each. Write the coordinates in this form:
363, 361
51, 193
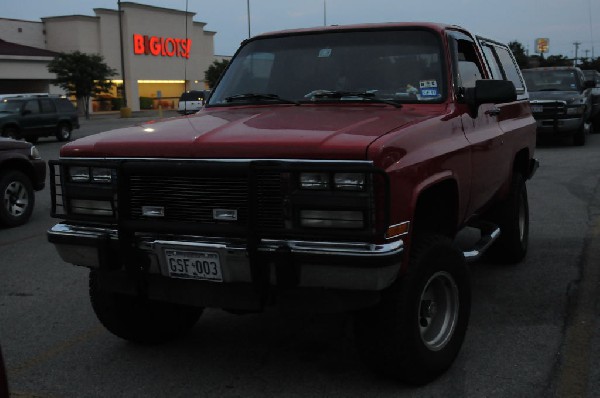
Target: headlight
341, 181
350, 181
314, 181
79, 174
347, 219
576, 110
100, 175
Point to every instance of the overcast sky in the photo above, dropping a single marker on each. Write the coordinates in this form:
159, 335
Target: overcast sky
564, 22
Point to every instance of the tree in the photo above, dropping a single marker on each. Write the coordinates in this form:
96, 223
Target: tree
82, 75
520, 55
214, 71
557, 60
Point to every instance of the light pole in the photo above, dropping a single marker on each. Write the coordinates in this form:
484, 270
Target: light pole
324, 12
248, 8
125, 111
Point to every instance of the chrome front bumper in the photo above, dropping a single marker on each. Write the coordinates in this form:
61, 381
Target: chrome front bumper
336, 265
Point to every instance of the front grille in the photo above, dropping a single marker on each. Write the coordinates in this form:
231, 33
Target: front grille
549, 109
192, 199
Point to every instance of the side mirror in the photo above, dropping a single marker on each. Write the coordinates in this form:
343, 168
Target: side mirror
490, 92
589, 84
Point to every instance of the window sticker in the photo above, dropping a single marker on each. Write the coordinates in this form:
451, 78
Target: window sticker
325, 53
428, 88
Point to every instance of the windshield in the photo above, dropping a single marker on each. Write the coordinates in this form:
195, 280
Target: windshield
10, 106
551, 80
366, 66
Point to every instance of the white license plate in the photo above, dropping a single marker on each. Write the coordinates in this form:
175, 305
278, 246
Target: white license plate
194, 265
537, 109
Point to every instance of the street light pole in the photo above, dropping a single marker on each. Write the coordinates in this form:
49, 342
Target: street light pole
324, 12
122, 59
248, 8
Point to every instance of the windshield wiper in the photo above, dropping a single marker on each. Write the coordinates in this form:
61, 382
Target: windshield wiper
260, 97
363, 95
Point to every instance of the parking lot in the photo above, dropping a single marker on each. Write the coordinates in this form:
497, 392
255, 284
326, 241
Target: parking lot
534, 329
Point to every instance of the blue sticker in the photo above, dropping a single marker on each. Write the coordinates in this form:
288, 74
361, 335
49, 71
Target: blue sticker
428, 88
325, 53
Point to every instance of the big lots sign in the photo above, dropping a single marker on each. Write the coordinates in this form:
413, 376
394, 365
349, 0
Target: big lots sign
161, 46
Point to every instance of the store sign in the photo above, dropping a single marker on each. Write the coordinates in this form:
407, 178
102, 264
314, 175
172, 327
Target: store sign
541, 45
161, 46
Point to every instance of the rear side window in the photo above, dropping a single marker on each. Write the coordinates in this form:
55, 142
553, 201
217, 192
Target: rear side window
32, 106
510, 67
47, 106
64, 105
490, 58
502, 64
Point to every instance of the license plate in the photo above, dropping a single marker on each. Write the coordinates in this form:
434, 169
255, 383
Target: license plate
194, 265
537, 108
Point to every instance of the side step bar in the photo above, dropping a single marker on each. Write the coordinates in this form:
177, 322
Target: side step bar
489, 234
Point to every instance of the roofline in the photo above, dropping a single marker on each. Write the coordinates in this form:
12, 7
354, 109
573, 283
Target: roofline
366, 26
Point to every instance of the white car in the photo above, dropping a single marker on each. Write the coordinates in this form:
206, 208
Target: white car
191, 101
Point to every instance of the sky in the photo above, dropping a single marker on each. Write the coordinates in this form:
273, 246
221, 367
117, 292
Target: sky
563, 22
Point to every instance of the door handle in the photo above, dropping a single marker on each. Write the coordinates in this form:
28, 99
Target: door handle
493, 112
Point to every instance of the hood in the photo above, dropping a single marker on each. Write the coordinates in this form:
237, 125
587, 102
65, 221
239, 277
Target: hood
567, 96
276, 132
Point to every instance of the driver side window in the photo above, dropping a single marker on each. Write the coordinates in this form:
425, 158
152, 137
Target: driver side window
469, 67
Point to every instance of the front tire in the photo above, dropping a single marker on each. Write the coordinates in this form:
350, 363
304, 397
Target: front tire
138, 319
11, 132
416, 331
17, 198
580, 135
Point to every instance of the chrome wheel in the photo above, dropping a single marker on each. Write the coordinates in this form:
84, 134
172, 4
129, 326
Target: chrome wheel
16, 199
438, 310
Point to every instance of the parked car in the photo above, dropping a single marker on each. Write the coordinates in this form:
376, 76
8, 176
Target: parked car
595, 76
331, 169
22, 171
191, 101
31, 117
561, 101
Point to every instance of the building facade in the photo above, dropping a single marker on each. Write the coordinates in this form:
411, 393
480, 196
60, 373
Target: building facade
165, 52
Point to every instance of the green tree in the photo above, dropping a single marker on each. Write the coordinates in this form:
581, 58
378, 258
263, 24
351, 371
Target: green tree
82, 75
214, 71
557, 60
589, 63
520, 55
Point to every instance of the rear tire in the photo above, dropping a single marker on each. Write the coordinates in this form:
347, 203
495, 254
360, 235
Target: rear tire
63, 132
138, 319
513, 218
416, 331
18, 198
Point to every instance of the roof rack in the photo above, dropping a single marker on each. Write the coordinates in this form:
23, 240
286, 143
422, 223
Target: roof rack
29, 95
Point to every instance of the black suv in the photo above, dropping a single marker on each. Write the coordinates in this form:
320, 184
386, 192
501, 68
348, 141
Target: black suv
35, 116
561, 101
22, 171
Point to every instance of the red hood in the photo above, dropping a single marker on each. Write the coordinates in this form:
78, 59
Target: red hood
281, 132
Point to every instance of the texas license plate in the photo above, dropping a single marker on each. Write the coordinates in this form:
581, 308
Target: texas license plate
194, 265
537, 109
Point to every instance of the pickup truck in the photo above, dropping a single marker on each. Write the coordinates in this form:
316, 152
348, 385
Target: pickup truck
345, 168
561, 101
